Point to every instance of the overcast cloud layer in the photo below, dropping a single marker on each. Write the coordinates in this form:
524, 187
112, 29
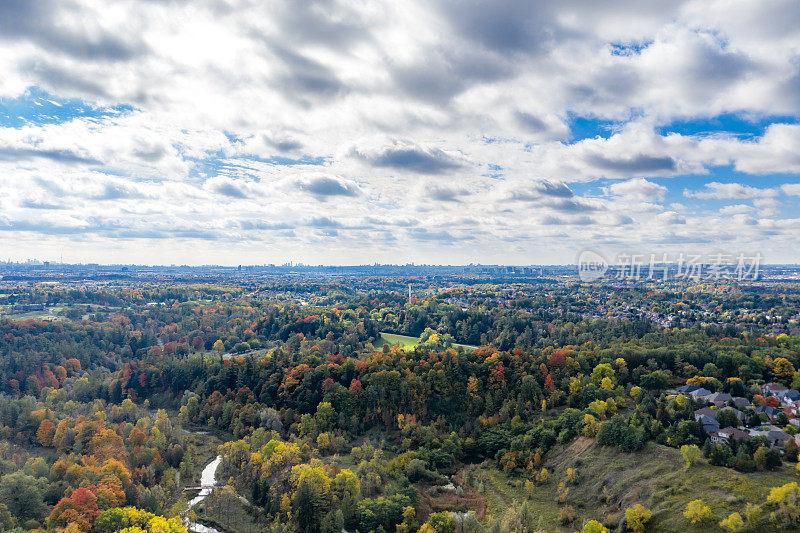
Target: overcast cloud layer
511, 131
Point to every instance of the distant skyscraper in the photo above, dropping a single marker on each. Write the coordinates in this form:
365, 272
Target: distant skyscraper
409, 291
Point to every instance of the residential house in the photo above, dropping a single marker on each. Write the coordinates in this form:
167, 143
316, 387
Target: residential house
740, 415
732, 433
705, 411
699, 393
719, 398
741, 403
709, 424
788, 396
770, 389
770, 411
777, 438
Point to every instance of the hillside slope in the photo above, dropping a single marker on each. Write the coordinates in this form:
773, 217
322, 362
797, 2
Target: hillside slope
610, 481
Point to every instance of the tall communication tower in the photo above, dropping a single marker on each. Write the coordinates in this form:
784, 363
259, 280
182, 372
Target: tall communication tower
409, 291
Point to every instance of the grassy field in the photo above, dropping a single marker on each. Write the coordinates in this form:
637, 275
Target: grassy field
408, 343
48, 314
610, 481
404, 341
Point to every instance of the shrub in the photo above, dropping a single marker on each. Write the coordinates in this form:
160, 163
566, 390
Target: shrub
566, 515
637, 517
593, 526
733, 522
542, 476
618, 432
698, 513
690, 453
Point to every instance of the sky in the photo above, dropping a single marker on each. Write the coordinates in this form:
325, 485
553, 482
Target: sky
444, 132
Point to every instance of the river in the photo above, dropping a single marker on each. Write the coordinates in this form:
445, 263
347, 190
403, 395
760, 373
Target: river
208, 478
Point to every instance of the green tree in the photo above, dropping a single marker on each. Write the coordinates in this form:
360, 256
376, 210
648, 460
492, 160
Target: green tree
727, 418
440, 523
308, 505
603, 370
333, 522
767, 458
22, 496
325, 416
32, 386
7, 522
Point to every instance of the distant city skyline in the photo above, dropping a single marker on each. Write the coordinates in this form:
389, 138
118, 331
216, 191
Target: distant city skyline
442, 132
615, 266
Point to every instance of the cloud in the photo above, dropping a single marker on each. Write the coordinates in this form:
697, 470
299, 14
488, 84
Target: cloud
63, 156
42, 22
446, 74
325, 186
531, 122
774, 152
418, 124
574, 221
440, 236
445, 194
50, 74
539, 190
791, 189
282, 142
323, 222
32, 203
504, 26
262, 225
737, 209
670, 218
639, 164
227, 187
572, 206
118, 191
402, 222
638, 189
306, 78
727, 191
421, 161
150, 153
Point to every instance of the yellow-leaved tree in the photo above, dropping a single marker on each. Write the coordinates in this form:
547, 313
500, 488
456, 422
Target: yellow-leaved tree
637, 517
734, 522
698, 513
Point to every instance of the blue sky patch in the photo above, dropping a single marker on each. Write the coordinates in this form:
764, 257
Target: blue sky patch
695, 183
729, 123
217, 163
287, 161
590, 127
36, 107
629, 48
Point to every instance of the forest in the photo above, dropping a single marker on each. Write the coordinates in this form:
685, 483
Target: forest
520, 407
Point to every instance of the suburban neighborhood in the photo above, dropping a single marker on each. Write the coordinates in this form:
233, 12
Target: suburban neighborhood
774, 414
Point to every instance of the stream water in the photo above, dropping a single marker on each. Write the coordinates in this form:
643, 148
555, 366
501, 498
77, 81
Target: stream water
208, 478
